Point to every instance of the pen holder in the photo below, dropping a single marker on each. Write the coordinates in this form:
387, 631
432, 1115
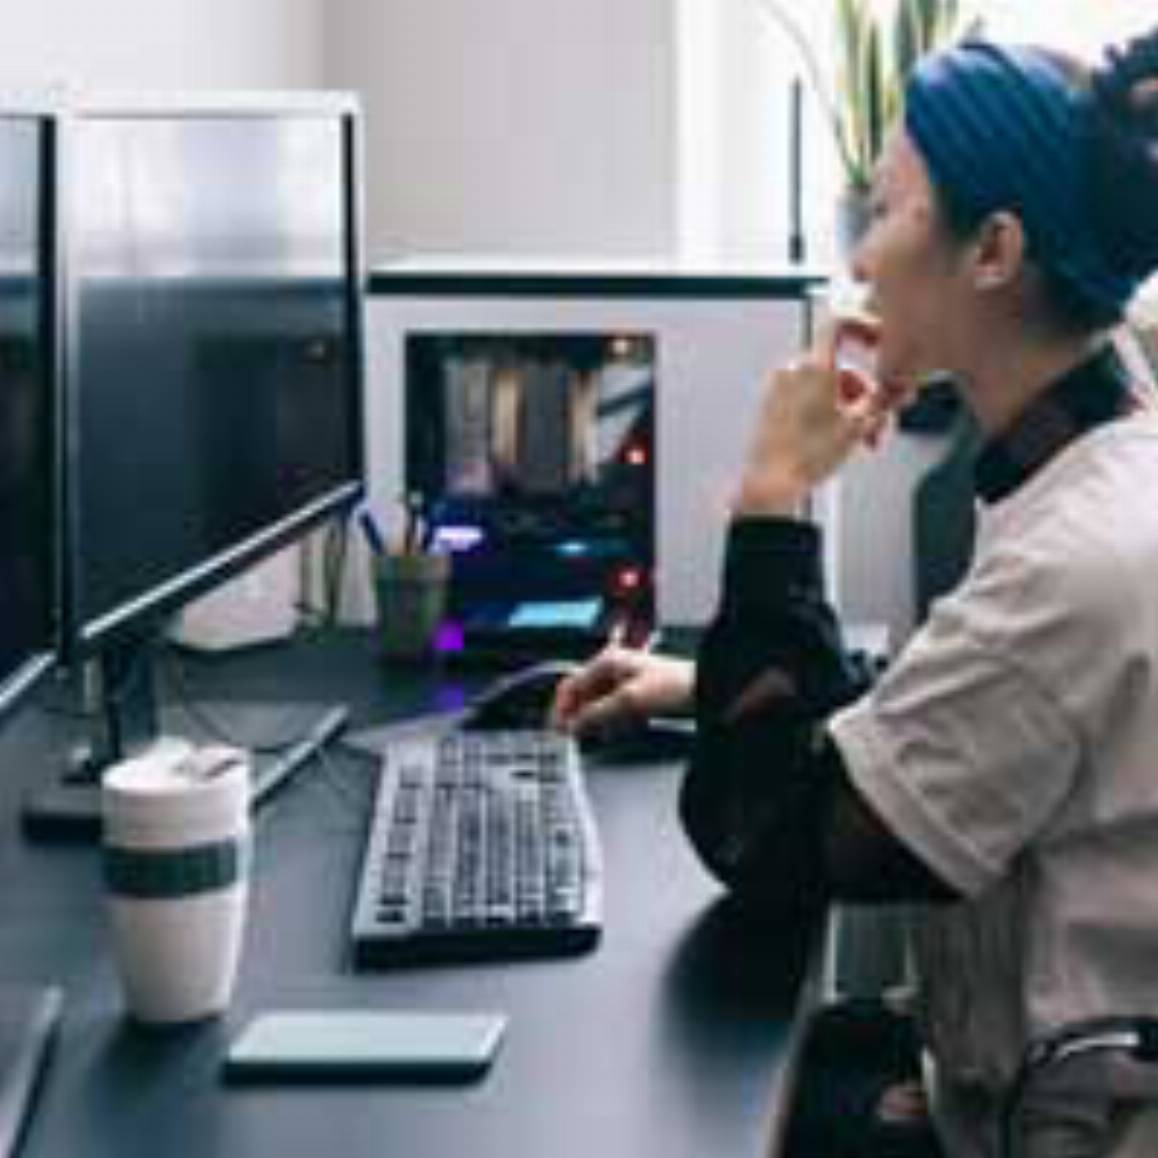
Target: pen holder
410, 590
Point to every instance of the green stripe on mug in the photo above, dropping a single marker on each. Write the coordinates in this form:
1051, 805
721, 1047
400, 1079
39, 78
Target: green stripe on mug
163, 873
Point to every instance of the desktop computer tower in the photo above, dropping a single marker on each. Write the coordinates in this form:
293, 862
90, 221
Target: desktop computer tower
696, 347
530, 459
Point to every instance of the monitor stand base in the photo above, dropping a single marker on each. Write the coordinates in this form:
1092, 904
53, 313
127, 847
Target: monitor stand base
70, 809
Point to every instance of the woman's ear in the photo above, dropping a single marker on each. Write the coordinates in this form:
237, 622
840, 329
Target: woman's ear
997, 253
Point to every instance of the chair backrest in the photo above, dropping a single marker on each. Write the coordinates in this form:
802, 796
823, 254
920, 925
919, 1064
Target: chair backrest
943, 517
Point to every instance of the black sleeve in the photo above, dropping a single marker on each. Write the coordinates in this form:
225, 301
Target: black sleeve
760, 787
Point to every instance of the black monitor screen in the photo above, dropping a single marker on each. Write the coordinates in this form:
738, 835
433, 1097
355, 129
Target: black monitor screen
213, 351
27, 584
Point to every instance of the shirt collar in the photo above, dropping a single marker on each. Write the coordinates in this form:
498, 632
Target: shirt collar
1093, 392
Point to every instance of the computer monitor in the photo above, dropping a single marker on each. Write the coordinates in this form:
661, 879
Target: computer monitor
28, 580
212, 361
29, 1011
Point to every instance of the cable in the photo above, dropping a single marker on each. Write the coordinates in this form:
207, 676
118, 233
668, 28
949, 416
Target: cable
351, 802
323, 577
334, 567
1135, 1036
186, 701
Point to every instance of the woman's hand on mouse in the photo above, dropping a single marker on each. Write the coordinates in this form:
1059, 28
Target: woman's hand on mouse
620, 687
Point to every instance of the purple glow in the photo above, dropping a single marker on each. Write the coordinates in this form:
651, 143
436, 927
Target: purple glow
451, 696
448, 637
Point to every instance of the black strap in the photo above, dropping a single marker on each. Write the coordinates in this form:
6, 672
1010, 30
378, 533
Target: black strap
164, 873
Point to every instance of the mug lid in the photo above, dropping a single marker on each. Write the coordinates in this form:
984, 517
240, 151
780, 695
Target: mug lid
169, 790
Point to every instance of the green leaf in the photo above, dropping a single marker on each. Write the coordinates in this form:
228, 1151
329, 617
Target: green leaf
874, 59
906, 36
874, 95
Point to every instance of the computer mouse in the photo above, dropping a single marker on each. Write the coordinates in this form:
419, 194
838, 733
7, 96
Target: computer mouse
519, 700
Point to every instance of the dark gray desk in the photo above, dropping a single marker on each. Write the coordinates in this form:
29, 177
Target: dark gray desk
672, 1039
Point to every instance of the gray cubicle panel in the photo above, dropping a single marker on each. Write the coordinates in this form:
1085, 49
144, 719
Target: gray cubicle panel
717, 336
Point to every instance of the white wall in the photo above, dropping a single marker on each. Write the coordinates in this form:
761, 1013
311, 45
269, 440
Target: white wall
513, 126
172, 44
1071, 25
739, 68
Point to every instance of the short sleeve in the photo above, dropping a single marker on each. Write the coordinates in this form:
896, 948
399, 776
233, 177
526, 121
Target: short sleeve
962, 753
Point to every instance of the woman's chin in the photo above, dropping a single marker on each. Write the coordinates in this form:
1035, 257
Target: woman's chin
897, 376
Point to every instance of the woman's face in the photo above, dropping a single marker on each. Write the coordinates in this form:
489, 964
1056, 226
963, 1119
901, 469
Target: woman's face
910, 266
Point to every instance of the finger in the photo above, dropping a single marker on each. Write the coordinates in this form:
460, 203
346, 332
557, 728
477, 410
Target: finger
859, 328
864, 418
607, 713
854, 386
563, 705
874, 431
822, 352
599, 676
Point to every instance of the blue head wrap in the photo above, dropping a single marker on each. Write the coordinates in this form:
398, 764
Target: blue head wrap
1002, 128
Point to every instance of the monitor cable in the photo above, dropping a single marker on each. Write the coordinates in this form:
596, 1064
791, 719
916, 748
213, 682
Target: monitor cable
185, 698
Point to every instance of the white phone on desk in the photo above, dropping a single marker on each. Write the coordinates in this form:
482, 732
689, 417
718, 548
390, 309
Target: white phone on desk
370, 1044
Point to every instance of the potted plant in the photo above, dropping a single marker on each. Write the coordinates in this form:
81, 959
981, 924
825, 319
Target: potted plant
877, 44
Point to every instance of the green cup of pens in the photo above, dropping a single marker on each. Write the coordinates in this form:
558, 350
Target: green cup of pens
410, 585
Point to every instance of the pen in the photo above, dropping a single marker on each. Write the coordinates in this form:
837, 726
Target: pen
370, 530
415, 534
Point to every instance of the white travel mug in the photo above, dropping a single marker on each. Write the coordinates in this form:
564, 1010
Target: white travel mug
176, 861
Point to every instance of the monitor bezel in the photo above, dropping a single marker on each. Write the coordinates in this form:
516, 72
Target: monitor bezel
142, 615
18, 683
21, 682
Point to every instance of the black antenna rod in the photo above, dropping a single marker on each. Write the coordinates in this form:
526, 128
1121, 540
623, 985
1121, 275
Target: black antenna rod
796, 247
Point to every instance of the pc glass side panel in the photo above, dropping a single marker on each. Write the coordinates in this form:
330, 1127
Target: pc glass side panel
534, 453
213, 352
27, 412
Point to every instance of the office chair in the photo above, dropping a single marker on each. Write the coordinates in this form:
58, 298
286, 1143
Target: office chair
943, 517
1135, 1037
854, 1049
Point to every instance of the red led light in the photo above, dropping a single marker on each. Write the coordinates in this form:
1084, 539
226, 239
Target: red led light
636, 456
628, 580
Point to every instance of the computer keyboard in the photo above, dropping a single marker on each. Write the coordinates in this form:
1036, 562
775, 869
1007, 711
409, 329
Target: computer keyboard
481, 844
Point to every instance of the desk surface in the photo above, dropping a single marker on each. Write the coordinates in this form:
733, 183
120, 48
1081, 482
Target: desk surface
671, 1039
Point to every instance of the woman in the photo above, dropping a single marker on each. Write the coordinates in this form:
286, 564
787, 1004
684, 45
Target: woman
1004, 770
